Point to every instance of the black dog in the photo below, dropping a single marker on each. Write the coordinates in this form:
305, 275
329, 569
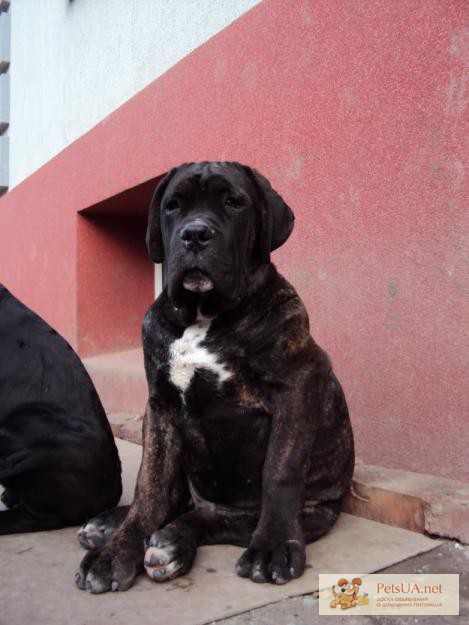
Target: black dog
58, 460
247, 438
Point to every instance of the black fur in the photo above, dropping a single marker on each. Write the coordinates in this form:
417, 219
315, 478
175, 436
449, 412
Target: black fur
58, 460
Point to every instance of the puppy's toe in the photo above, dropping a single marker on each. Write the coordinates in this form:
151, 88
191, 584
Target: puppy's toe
255, 565
102, 571
260, 569
280, 566
277, 564
87, 576
244, 564
171, 553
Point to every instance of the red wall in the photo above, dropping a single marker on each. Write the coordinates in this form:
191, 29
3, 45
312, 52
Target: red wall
356, 111
115, 282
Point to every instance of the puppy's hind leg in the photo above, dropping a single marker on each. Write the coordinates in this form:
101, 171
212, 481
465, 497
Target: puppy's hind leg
318, 519
171, 550
98, 531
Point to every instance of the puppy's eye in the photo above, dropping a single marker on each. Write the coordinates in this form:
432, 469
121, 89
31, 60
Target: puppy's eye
234, 202
171, 205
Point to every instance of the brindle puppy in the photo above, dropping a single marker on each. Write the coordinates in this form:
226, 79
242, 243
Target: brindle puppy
247, 438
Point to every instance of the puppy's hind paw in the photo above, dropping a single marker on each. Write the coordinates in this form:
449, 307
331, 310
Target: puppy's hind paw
92, 535
98, 531
170, 553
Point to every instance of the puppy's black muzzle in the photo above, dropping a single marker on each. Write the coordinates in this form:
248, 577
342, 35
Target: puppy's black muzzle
196, 235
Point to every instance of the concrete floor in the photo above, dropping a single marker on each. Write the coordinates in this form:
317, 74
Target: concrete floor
447, 558
38, 572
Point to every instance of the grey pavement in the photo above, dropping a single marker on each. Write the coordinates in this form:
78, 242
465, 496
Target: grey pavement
37, 570
450, 557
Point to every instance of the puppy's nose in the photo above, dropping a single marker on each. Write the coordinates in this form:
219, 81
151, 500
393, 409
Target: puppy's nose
196, 234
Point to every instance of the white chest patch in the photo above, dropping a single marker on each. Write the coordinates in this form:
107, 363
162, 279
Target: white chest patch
187, 355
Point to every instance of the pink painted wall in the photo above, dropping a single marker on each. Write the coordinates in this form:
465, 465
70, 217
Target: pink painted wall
115, 282
38, 246
357, 112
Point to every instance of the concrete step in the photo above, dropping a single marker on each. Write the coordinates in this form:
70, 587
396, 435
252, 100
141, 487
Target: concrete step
126, 426
414, 501
120, 380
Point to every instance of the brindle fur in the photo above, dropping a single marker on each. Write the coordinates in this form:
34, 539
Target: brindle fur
263, 460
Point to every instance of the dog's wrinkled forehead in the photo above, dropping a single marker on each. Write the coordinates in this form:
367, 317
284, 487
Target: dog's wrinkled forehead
204, 184
205, 177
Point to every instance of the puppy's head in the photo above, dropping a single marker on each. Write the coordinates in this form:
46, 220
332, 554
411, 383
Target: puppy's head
214, 223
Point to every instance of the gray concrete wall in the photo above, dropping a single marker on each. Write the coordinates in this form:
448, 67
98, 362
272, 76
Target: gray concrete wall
75, 61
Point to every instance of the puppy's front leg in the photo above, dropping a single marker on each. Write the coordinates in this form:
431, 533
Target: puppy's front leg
277, 550
158, 495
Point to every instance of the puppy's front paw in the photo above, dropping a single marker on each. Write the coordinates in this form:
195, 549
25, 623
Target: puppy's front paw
171, 553
104, 570
276, 562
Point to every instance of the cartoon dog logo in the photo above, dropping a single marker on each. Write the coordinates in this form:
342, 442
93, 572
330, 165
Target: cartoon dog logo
348, 596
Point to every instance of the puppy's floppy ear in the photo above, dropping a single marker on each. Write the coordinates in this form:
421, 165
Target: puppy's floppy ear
357, 581
342, 582
277, 218
154, 237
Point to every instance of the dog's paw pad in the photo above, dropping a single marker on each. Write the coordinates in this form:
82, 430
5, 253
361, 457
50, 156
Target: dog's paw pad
162, 565
169, 554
